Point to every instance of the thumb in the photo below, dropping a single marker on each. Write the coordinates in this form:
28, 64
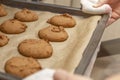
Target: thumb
60, 75
63, 75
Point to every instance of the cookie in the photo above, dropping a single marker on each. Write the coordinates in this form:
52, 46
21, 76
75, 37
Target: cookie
22, 66
3, 40
53, 33
12, 26
3, 12
26, 15
35, 48
64, 20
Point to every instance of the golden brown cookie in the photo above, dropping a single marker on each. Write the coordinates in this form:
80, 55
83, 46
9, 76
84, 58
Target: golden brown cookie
26, 15
53, 33
22, 66
3, 40
35, 48
3, 12
12, 26
64, 20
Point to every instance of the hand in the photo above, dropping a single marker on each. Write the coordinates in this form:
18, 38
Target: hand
63, 75
115, 5
114, 77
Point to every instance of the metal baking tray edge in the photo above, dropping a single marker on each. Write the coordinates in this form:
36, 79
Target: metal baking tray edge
93, 43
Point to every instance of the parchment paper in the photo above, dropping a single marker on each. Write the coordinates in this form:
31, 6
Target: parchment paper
66, 55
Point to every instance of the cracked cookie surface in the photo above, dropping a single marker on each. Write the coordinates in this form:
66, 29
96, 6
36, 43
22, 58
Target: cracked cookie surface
64, 20
22, 66
26, 15
35, 48
3, 40
3, 12
53, 33
12, 26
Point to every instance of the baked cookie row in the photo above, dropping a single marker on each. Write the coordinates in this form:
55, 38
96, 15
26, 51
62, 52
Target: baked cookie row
19, 66
33, 49
15, 26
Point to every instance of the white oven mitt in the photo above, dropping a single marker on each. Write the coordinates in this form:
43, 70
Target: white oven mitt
87, 7
45, 74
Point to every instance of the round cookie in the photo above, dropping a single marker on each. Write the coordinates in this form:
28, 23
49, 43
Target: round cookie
2, 11
3, 40
53, 33
64, 20
35, 48
26, 15
22, 66
12, 26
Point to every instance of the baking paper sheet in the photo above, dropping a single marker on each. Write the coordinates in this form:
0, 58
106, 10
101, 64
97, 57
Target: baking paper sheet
66, 55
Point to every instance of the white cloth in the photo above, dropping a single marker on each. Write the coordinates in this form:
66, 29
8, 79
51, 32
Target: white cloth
45, 74
88, 7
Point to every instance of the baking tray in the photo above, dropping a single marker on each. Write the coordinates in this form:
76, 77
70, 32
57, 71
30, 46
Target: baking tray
93, 43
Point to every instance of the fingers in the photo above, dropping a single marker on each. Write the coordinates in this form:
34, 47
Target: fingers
63, 75
115, 15
113, 18
110, 21
60, 75
114, 77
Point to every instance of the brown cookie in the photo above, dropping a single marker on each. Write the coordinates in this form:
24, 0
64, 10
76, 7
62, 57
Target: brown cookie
26, 15
3, 40
64, 20
12, 26
22, 66
35, 48
3, 12
53, 33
